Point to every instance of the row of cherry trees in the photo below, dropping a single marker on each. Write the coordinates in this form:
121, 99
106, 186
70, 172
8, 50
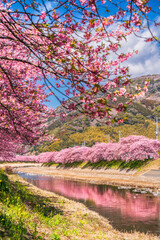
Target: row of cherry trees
129, 149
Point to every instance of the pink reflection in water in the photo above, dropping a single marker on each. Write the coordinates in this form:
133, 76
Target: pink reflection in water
136, 206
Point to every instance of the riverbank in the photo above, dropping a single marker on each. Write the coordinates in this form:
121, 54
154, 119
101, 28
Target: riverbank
37, 214
116, 177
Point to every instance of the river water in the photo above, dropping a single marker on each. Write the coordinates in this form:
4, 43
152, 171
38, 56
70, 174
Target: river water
126, 209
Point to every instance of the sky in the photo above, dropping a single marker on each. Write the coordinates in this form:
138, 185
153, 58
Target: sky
147, 61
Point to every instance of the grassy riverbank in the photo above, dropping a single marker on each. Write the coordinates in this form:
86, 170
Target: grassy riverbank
114, 164
27, 212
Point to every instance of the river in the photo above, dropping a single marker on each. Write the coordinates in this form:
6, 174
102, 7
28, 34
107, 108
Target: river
126, 209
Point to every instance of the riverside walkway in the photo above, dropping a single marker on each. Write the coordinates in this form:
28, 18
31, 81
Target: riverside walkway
152, 173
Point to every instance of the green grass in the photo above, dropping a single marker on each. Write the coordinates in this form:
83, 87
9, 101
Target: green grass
22, 211
114, 164
13, 213
8, 228
117, 164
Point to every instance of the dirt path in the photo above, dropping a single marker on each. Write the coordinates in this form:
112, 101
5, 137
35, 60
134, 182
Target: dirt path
152, 173
109, 176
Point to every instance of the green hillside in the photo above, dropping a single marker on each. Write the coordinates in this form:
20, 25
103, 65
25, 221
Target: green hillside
67, 136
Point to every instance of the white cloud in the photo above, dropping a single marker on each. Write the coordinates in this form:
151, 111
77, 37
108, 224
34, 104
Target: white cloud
49, 5
147, 61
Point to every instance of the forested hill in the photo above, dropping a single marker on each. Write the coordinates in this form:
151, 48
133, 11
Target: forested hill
77, 129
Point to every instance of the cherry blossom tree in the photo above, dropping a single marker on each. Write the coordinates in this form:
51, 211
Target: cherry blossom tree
43, 157
71, 42
22, 110
71, 45
138, 147
7, 148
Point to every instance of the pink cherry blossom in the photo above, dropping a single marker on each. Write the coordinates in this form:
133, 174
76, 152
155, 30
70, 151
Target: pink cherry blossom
65, 55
